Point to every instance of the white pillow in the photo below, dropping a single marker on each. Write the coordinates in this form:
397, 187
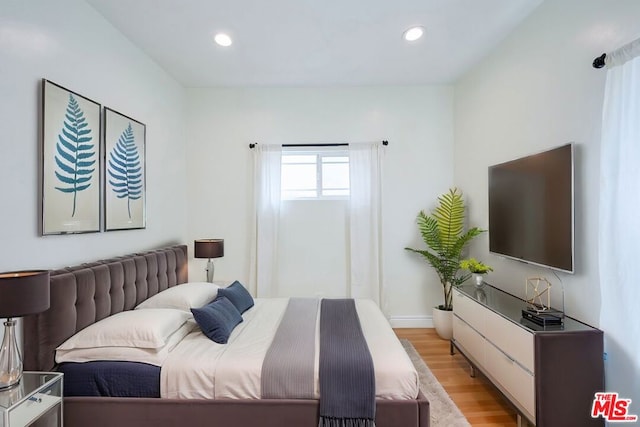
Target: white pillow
183, 297
133, 328
152, 356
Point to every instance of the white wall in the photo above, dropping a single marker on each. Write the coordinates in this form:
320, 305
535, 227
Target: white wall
69, 43
536, 91
417, 121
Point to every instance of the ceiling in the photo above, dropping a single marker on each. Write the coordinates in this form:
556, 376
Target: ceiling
315, 42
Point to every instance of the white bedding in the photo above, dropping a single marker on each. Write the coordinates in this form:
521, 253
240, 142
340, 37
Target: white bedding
200, 368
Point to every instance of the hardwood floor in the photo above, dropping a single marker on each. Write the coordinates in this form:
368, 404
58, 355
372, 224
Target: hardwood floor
478, 400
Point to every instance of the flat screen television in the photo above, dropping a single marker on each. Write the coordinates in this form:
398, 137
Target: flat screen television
531, 209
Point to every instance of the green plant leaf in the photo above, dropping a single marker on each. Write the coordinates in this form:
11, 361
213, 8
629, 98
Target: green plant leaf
443, 233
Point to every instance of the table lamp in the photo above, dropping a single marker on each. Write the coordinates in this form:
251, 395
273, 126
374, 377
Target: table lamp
209, 248
21, 293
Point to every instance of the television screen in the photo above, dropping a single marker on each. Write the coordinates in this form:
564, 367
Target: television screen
531, 209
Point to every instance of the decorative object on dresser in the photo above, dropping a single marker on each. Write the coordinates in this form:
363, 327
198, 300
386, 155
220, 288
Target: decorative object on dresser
70, 161
124, 183
538, 298
549, 373
209, 248
537, 289
21, 293
477, 269
443, 232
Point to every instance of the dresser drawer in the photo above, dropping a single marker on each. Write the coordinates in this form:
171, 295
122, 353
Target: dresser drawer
512, 378
512, 339
471, 341
468, 310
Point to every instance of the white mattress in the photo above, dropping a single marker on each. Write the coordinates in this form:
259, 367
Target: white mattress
199, 368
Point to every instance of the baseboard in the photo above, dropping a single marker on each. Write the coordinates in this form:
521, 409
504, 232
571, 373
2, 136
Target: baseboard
411, 321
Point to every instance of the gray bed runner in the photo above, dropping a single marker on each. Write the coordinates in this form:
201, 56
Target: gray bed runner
347, 379
287, 369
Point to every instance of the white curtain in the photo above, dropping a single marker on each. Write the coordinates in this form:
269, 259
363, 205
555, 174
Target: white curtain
619, 232
265, 218
365, 175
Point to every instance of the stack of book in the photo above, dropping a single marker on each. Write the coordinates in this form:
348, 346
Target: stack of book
543, 318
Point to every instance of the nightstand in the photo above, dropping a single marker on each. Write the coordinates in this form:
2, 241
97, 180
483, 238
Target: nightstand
38, 393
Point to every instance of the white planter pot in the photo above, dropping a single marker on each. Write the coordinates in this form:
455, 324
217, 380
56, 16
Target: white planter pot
443, 322
478, 279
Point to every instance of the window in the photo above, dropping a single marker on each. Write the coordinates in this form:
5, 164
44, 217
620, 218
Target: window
315, 174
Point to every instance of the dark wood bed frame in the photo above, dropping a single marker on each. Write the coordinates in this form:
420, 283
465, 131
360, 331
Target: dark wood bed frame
86, 293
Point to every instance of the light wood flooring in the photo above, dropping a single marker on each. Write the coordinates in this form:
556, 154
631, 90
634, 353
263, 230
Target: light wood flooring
478, 400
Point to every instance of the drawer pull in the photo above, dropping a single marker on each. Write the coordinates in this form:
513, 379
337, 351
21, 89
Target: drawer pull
506, 356
35, 399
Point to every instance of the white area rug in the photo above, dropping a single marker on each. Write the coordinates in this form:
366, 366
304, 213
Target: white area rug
444, 413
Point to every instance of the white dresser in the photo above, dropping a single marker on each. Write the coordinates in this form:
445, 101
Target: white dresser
549, 374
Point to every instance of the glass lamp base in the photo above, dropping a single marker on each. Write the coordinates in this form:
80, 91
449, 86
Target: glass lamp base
10, 359
209, 271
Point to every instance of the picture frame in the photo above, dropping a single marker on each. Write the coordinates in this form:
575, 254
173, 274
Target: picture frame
124, 172
70, 161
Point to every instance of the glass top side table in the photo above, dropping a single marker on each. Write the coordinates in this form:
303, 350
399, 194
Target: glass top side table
37, 394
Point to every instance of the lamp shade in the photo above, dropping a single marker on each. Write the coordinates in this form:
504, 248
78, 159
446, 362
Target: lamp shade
209, 248
24, 292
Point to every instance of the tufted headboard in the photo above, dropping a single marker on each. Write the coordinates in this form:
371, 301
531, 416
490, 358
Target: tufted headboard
86, 293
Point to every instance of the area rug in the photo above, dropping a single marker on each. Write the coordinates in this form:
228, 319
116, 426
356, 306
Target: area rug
444, 413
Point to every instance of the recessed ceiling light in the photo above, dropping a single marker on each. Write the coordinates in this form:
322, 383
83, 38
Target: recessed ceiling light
223, 39
413, 34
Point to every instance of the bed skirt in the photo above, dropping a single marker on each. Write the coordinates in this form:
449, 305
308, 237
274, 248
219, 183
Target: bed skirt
146, 412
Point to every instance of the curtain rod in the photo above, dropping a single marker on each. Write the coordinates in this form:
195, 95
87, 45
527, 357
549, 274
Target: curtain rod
619, 56
599, 61
340, 144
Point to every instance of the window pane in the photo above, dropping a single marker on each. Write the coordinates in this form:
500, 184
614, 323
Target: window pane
335, 159
335, 175
295, 158
298, 177
335, 192
301, 178
299, 194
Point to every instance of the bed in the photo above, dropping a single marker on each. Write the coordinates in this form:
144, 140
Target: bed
87, 293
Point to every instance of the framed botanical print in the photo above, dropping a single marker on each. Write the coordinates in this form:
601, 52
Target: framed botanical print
124, 177
70, 161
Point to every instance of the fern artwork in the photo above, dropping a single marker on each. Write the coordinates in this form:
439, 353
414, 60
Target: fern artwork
71, 166
125, 172
75, 153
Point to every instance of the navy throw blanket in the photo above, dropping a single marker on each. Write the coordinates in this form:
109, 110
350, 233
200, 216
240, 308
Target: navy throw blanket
347, 380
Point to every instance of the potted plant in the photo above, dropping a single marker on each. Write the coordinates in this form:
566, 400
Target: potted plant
443, 233
477, 269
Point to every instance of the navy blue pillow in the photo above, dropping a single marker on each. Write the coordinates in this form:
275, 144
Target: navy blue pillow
238, 295
217, 319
